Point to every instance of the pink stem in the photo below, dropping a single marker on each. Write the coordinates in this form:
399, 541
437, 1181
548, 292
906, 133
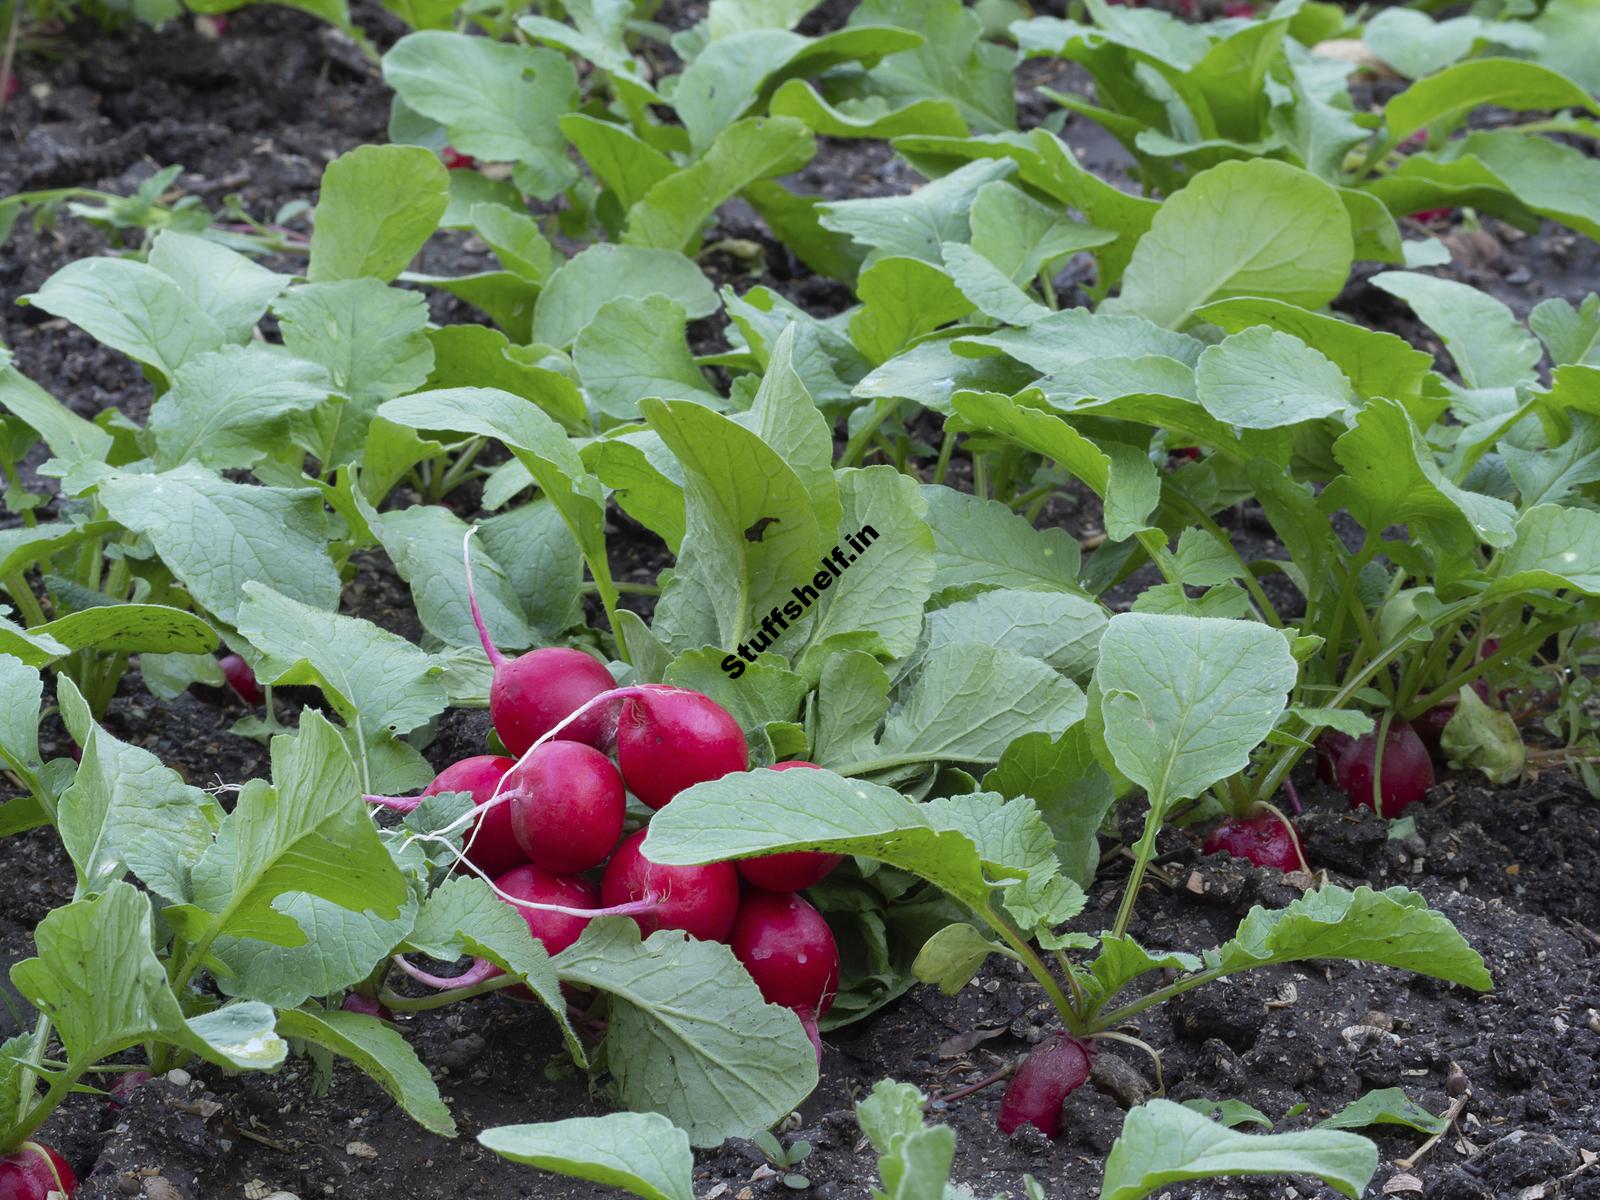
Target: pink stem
986, 1081
1294, 796
496, 659
810, 1025
403, 804
480, 970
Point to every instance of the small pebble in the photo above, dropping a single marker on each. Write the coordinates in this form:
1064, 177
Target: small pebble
178, 1077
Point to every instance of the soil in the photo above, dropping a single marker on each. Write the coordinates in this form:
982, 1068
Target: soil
258, 113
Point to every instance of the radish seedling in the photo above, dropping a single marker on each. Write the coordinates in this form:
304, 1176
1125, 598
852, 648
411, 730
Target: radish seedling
792, 872
1405, 771
789, 951
1266, 839
669, 739
1049, 1074
35, 1172
566, 806
701, 901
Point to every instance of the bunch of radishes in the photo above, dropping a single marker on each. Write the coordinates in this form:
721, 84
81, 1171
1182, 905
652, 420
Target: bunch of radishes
548, 826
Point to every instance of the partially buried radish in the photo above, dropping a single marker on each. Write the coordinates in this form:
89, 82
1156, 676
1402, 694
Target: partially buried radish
492, 845
669, 739
567, 806
701, 901
1406, 772
790, 953
533, 693
357, 1003
1330, 748
1049, 1074
795, 870
35, 1172
1264, 839
241, 679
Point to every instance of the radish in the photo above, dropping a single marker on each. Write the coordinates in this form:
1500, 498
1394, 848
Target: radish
241, 679
11, 87
1242, 9
566, 806
701, 901
554, 930
124, 1086
491, 846
1265, 839
1430, 725
794, 871
35, 1172
669, 739
790, 953
534, 692
454, 160
1330, 749
1407, 771
1046, 1077
357, 1003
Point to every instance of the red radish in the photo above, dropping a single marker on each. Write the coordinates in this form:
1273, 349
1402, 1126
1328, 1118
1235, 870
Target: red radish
567, 806
1429, 215
669, 739
357, 1003
1263, 839
35, 1172
790, 953
794, 871
124, 1086
454, 160
241, 679
701, 901
1242, 9
1330, 748
1430, 725
1407, 771
555, 930
491, 845
11, 87
1050, 1073
534, 692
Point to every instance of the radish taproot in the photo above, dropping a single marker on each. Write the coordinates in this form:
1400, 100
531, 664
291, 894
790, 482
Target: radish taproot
701, 901
1405, 775
241, 679
1046, 1077
790, 952
1264, 839
535, 692
35, 1172
669, 739
566, 806
794, 870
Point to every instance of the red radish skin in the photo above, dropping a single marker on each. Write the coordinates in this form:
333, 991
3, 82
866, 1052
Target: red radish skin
555, 931
1046, 1077
34, 1172
241, 679
1330, 748
1407, 770
1242, 9
11, 87
567, 806
795, 870
454, 160
492, 843
357, 1003
790, 953
669, 739
124, 1086
1263, 840
701, 901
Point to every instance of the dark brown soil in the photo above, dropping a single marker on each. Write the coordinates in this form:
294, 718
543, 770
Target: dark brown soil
259, 113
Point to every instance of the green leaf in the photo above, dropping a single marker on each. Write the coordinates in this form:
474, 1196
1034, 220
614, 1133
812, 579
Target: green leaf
865, 117
224, 410
642, 1153
377, 206
1071, 789
376, 680
1391, 478
1164, 1143
1571, 335
1262, 379
688, 1034
217, 536
515, 239
101, 984
902, 299
128, 628
982, 542
132, 307
1122, 960
1062, 630
635, 350
1447, 97
126, 811
477, 356
1386, 1106
604, 272
954, 62
1184, 700
916, 225
1556, 548
619, 159
233, 289
464, 916
67, 434
951, 957
1254, 228
21, 689
1490, 347
991, 292
379, 1051
1395, 928
496, 100
1414, 44
645, 480
307, 832
1075, 337
966, 845
672, 214
545, 568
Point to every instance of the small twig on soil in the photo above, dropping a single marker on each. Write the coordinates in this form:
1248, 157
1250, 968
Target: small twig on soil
1450, 1115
